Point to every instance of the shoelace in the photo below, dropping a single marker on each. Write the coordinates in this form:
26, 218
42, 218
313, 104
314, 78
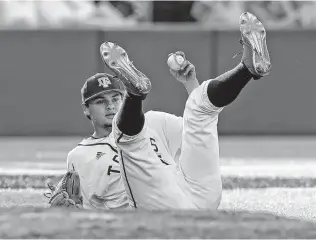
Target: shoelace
245, 43
242, 43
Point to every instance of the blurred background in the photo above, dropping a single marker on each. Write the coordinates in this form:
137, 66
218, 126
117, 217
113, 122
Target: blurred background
49, 48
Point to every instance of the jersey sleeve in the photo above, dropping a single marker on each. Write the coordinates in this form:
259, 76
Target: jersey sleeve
70, 161
171, 127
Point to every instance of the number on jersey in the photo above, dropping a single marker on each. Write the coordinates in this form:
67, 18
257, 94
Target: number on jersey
153, 143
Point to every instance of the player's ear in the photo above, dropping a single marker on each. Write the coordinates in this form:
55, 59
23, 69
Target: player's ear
86, 110
123, 95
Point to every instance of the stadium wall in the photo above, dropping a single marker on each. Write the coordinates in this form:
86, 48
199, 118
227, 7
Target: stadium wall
42, 73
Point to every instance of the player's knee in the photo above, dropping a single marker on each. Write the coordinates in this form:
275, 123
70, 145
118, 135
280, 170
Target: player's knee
211, 198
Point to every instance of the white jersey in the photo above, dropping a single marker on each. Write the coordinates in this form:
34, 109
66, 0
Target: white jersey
96, 161
149, 163
167, 130
174, 162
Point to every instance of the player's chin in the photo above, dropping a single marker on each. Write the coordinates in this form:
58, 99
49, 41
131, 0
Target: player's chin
108, 122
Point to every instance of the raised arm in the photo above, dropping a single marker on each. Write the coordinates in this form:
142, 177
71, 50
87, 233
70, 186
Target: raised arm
186, 74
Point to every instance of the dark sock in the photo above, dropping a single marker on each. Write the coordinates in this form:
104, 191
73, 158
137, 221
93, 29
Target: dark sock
224, 89
131, 119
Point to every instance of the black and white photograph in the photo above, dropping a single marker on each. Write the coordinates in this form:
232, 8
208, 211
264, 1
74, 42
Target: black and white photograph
157, 119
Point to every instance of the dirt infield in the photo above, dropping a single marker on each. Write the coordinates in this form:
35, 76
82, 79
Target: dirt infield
66, 223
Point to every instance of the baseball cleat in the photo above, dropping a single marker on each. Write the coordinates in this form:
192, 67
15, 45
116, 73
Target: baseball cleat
116, 58
253, 38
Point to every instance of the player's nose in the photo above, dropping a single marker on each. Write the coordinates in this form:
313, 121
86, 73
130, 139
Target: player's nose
110, 106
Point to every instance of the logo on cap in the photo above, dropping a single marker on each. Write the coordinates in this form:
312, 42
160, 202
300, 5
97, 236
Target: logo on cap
104, 82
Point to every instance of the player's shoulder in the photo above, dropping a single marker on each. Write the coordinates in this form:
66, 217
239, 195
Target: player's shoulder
73, 156
92, 141
154, 117
87, 142
92, 144
152, 114
75, 152
158, 115
160, 120
76, 155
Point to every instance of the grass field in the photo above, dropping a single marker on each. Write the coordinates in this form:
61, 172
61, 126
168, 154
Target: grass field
262, 175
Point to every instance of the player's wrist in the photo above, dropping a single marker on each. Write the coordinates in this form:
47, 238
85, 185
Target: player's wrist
194, 79
191, 84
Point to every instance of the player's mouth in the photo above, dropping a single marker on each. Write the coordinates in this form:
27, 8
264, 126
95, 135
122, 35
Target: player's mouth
111, 115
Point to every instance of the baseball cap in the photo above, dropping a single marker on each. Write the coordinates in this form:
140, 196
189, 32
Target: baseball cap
100, 83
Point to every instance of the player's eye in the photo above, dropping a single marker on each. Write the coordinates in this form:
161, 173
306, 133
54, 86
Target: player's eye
101, 102
115, 100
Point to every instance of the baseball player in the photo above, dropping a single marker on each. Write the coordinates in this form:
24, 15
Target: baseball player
95, 159
150, 145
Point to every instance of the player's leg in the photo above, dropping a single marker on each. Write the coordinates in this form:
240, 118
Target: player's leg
255, 63
131, 116
147, 179
224, 89
199, 158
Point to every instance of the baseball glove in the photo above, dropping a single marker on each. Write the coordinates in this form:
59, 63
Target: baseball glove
67, 192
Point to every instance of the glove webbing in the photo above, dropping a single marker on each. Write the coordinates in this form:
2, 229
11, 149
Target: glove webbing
53, 188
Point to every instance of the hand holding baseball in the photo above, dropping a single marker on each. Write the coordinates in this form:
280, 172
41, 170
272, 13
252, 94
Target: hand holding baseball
175, 61
180, 68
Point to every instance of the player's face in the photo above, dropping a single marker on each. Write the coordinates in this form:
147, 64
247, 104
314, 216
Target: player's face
103, 108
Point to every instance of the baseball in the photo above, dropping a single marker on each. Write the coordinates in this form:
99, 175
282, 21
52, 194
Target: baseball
175, 61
